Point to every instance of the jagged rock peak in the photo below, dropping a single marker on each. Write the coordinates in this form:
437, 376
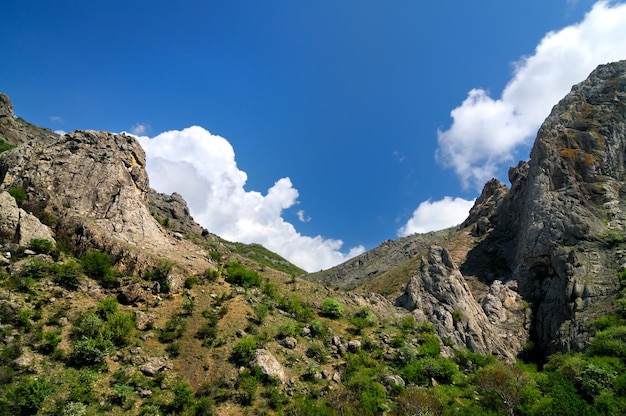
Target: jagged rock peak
6, 106
486, 204
562, 202
438, 293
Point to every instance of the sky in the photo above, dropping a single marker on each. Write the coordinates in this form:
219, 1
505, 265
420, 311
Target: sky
317, 128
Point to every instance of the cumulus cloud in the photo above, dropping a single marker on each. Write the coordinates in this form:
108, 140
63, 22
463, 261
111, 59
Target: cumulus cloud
437, 215
486, 132
202, 168
139, 129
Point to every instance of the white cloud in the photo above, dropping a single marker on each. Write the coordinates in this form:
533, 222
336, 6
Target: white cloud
56, 119
201, 167
486, 132
302, 216
139, 129
437, 215
60, 132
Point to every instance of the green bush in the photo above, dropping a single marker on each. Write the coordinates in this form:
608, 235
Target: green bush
27, 398
90, 351
611, 342
68, 274
161, 275
429, 345
19, 195
363, 318
49, 342
239, 275
423, 370
260, 312
174, 329
183, 397
295, 306
332, 308
244, 350
120, 328
41, 245
190, 281
97, 265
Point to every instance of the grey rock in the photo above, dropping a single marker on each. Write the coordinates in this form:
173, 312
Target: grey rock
268, 364
393, 380
290, 342
154, 365
18, 225
354, 345
144, 320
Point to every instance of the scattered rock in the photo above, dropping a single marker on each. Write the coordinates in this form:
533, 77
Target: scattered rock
154, 365
290, 342
268, 364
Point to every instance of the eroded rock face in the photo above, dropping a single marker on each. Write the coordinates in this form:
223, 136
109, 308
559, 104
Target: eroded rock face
19, 226
438, 293
551, 226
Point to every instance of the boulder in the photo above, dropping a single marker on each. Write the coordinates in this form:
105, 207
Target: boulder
268, 364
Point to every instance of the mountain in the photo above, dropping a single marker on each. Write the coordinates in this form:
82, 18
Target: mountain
114, 300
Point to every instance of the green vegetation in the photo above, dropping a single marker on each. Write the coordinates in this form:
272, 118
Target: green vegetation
332, 308
4, 145
239, 275
267, 258
19, 194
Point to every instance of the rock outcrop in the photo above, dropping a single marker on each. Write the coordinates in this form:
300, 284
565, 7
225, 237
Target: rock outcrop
92, 188
17, 225
553, 227
438, 293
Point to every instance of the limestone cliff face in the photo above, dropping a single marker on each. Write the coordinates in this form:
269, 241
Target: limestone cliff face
546, 252
563, 203
438, 293
92, 188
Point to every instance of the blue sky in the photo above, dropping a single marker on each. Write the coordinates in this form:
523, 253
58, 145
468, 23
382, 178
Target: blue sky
322, 128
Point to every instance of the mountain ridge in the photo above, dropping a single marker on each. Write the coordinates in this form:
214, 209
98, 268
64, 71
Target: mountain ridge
104, 278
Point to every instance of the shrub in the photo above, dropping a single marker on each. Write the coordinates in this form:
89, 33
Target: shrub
260, 311
89, 351
429, 346
120, 328
174, 329
68, 274
97, 265
190, 281
161, 274
239, 275
74, 409
29, 395
19, 195
332, 308
207, 333
363, 318
183, 396
247, 385
423, 370
611, 342
295, 306
50, 341
107, 307
37, 269
319, 329
244, 350
41, 245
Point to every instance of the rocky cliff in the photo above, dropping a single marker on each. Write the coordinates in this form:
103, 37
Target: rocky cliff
559, 225
92, 188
